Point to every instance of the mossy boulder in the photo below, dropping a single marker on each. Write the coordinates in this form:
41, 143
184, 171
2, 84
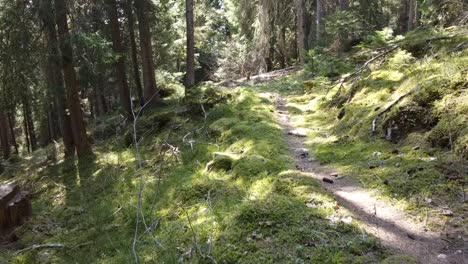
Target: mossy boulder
408, 118
221, 162
250, 166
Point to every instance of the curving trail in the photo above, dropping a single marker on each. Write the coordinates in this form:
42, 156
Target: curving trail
395, 229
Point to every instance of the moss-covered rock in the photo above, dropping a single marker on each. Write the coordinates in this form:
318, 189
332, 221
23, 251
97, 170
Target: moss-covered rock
221, 162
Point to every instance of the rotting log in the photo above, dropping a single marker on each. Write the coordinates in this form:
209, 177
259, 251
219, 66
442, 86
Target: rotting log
15, 208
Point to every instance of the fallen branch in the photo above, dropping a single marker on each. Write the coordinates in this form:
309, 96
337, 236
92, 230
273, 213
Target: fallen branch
390, 106
35, 246
359, 72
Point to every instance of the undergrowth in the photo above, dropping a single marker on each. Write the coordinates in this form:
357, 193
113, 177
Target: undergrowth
421, 165
218, 188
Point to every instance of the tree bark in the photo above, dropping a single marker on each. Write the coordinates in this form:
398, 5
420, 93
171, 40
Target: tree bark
4, 137
411, 13
344, 5
11, 125
120, 69
190, 70
134, 51
54, 78
150, 93
301, 27
31, 130
78, 127
318, 19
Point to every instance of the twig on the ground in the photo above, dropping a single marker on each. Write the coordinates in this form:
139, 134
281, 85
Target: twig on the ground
390, 106
140, 167
210, 238
194, 234
36, 246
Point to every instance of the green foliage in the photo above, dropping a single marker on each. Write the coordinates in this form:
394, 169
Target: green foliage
320, 63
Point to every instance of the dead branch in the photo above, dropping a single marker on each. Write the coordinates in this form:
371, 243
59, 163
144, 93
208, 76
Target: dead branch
359, 72
35, 246
390, 106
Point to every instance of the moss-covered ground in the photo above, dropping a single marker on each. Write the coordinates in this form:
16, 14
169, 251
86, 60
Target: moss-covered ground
219, 184
216, 190
423, 166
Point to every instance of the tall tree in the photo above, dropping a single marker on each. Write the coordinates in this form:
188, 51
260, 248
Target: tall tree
301, 28
318, 19
344, 5
411, 14
80, 138
120, 68
149, 79
134, 51
4, 141
190, 71
54, 77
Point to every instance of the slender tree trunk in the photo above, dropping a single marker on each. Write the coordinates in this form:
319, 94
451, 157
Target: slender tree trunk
11, 125
344, 5
31, 128
78, 127
134, 51
301, 27
190, 71
411, 13
417, 14
282, 47
120, 68
26, 131
318, 19
55, 78
4, 138
150, 91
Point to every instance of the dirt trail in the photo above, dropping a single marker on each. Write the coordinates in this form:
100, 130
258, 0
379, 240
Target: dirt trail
393, 228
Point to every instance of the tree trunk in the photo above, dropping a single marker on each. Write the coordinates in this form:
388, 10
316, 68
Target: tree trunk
120, 69
4, 137
318, 19
151, 95
25, 131
344, 5
31, 130
11, 125
133, 46
301, 27
190, 71
411, 13
55, 78
78, 127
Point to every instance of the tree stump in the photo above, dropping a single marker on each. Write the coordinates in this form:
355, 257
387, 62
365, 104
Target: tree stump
15, 208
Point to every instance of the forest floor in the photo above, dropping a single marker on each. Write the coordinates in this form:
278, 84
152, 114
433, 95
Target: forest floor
391, 226
237, 175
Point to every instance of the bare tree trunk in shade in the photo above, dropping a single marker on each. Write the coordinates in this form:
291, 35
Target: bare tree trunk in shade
150, 92
344, 4
54, 77
4, 137
11, 125
31, 130
318, 19
80, 138
190, 71
300, 30
411, 13
120, 68
134, 51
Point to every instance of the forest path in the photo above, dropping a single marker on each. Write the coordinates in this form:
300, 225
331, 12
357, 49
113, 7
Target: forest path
395, 229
